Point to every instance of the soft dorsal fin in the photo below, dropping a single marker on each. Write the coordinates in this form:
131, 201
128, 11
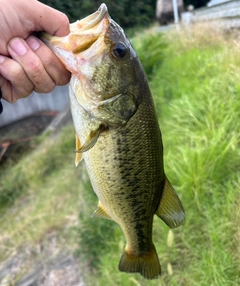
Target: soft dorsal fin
170, 209
79, 155
101, 212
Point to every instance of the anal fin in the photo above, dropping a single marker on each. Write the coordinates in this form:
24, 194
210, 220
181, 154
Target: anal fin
170, 209
101, 212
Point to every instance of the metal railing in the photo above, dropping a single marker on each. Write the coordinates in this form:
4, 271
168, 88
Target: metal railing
35, 103
227, 13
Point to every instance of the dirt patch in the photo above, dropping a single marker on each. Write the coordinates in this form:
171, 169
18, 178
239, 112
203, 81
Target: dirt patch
45, 264
17, 137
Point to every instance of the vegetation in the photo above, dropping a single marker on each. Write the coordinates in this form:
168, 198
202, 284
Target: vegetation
195, 84
195, 80
33, 196
126, 12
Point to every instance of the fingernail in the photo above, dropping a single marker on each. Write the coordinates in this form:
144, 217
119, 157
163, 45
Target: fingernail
33, 43
2, 59
18, 47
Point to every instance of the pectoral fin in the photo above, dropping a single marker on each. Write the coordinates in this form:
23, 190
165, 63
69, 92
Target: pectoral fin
79, 155
101, 212
91, 140
170, 209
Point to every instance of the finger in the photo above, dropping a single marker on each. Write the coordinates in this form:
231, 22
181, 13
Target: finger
7, 90
51, 63
49, 20
32, 65
14, 82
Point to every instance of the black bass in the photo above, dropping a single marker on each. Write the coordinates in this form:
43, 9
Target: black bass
118, 136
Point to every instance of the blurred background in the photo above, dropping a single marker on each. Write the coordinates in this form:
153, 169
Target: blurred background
190, 53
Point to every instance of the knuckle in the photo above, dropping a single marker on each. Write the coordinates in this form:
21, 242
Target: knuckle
15, 83
35, 67
40, 78
64, 78
50, 59
51, 87
8, 93
8, 97
56, 69
46, 88
16, 72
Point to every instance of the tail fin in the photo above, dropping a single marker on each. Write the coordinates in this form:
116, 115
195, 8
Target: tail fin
147, 265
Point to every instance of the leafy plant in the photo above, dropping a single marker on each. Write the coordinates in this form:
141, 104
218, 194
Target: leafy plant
127, 13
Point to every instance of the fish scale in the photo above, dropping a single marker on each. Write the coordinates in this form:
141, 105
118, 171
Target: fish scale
118, 136
137, 187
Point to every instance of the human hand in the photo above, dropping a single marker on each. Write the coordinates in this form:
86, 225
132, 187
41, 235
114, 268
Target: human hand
26, 63
32, 66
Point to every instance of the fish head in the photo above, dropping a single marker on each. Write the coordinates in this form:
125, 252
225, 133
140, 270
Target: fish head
103, 63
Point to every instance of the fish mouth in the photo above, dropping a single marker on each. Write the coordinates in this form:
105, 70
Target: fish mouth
90, 21
83, 33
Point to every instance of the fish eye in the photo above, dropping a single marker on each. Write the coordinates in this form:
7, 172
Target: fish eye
120, 50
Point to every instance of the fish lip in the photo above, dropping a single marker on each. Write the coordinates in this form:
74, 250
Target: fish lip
91, 20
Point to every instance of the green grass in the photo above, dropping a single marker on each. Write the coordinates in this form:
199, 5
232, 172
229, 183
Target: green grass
195, 85
195, 80
39, 194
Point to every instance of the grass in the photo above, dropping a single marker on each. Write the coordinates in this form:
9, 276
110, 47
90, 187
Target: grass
195, 80
195, 84
39, 194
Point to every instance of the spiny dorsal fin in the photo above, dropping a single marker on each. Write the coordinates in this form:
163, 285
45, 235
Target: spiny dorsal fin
79, 155
170, 209
101, 212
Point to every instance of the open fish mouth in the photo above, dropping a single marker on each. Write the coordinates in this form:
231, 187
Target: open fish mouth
83, 33
91, 21
88, 30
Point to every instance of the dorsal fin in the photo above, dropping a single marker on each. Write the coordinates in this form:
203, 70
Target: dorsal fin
170, 209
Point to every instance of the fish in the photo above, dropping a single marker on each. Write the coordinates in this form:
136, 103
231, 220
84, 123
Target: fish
118, 135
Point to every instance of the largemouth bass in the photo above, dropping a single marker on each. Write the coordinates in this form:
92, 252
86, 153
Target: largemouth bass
118, 135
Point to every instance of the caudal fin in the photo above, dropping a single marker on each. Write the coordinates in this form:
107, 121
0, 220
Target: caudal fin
147, 265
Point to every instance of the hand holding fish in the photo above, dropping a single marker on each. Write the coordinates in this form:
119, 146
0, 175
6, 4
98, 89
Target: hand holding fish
26, 63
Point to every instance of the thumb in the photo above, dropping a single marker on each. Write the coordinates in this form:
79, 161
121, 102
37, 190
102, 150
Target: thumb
50, 20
